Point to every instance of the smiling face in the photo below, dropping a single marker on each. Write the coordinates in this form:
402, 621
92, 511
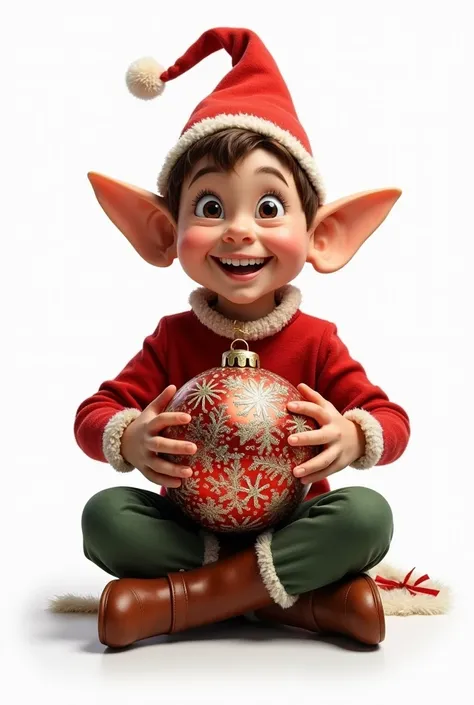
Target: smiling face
250, 213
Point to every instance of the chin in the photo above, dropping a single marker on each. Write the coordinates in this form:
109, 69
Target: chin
244, 298
240, 300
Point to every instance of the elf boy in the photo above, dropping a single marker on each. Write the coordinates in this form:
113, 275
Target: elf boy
242, 209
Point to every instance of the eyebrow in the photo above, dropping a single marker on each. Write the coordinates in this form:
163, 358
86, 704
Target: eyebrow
215, 170
271, 170
205, 170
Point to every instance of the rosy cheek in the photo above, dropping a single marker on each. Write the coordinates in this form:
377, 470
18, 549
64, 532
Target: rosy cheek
193, 239
288, 243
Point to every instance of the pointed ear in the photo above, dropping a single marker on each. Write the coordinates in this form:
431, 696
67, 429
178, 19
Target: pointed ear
141, 216
341, 227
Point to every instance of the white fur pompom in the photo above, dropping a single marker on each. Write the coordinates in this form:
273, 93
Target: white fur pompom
143, 78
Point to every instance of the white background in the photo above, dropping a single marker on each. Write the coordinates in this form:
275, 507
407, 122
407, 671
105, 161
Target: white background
383, 92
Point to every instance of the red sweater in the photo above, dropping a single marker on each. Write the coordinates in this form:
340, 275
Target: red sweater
307, 349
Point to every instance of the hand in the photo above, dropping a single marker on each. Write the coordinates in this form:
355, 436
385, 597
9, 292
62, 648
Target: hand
141, 442
343, 440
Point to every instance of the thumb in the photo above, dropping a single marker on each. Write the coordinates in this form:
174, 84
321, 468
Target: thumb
161, 401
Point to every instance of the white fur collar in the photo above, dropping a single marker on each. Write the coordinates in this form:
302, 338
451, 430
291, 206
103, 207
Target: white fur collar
288, 301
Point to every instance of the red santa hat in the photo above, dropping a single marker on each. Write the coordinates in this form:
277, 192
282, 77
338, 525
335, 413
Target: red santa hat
252, 96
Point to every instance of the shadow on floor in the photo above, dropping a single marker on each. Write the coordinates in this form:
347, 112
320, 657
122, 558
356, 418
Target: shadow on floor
82, 629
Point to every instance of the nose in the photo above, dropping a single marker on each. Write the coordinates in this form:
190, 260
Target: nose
239, 231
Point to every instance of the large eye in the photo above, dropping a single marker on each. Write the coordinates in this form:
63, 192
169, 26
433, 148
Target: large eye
209, 206
269, 207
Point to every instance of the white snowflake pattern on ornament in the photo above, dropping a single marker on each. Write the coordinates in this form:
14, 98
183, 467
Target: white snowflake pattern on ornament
190, 487
246, 524
254, 491
263, 431
209, 438
211, 511
277, 504
205, 394
273, 467
254, 396
232, 382
298, 425
229, 487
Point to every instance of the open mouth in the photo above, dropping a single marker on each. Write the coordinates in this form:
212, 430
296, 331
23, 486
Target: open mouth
242, 269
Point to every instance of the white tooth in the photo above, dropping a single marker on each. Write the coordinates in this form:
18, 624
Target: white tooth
243, 262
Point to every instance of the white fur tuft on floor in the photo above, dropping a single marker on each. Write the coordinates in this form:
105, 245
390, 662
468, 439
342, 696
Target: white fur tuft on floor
402, 603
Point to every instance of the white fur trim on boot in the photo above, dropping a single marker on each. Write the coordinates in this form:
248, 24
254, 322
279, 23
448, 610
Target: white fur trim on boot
112, 438
211, 548
267, 571
373, 433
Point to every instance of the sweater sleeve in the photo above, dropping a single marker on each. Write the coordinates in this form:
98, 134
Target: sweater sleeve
102, 418
343, 381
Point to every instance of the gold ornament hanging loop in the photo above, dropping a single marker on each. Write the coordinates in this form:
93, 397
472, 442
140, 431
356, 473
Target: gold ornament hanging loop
240, 358
238, 340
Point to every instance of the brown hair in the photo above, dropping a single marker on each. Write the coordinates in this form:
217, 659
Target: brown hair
227, 148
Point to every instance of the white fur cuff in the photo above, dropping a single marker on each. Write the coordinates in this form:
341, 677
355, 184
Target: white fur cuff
267, 571
112, 439
211, 548
373, 433
288, 298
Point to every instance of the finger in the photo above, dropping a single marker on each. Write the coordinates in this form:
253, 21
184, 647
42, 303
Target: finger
317, 464
334, 467
169, 418
163, 480
309, 408
320, 437
166, 467
173, 446
161, 401
312, 394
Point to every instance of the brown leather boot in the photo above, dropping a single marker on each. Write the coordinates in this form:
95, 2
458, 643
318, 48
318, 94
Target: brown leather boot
351, 606
131, 609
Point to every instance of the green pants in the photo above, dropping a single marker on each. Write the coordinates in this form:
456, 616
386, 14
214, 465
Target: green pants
130, 532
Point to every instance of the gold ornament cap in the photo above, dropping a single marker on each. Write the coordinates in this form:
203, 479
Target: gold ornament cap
240, 358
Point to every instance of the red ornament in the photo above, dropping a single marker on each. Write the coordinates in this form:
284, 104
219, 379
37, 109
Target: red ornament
243, 468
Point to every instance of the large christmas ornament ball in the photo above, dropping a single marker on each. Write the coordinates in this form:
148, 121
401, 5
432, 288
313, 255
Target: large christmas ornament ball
243, 468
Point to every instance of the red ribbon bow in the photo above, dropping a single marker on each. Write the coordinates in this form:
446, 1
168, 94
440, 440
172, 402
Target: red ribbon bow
387, 584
